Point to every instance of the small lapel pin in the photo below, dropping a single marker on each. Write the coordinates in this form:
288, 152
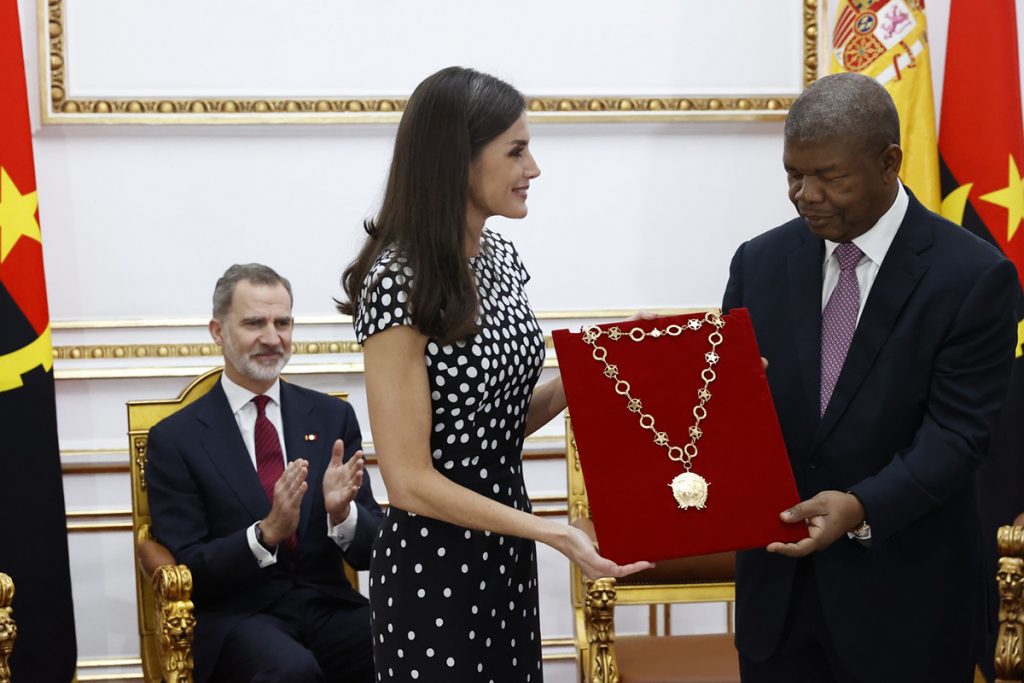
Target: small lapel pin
309, 437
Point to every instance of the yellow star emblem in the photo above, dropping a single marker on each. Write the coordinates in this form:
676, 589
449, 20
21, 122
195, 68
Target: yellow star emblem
1010, 198
17, 215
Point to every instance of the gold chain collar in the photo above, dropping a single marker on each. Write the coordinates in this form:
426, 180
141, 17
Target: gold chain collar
689, 489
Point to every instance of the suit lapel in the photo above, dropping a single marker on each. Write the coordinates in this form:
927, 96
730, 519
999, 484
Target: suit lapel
805, 282
901, 270
224, 445
297, 419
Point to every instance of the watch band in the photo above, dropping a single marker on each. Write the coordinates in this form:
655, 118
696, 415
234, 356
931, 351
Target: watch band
862, 531
259, 537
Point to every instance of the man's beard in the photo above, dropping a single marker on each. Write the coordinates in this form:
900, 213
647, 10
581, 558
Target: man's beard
252, 368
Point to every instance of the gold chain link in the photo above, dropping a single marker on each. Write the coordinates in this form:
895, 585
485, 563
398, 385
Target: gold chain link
686, 453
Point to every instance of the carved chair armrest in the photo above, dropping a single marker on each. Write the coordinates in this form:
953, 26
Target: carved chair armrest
599, 616
177, 623
8, 629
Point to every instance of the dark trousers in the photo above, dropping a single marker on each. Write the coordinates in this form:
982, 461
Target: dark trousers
303, 637
804, 653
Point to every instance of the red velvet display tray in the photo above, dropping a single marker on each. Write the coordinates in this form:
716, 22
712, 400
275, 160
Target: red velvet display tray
741, 453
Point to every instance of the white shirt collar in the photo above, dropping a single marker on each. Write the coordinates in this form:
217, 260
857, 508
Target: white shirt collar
239, 396
876, 241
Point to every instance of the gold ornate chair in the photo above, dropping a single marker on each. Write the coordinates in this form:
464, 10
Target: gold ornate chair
604, 657
163, 588
1010, 639
8, 629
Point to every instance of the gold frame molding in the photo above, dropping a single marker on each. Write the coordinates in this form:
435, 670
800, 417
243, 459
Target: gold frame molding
187, 350
170, 350
199, 350
59, 108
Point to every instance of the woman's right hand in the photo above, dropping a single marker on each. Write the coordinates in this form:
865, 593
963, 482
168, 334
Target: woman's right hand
580, 549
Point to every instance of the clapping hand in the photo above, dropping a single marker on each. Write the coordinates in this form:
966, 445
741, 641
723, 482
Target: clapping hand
283, 519
342, 481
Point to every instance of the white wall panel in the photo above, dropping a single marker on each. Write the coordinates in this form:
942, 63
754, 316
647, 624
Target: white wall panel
322, 47
103, 589
622, 215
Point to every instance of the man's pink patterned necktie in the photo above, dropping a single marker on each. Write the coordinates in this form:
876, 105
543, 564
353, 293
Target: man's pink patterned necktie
839, 320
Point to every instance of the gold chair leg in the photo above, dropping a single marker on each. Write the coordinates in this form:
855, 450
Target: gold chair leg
173, 587
1008, 661
599, 611
8, 629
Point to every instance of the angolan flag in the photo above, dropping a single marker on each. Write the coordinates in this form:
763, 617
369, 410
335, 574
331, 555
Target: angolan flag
981, 146
33, 540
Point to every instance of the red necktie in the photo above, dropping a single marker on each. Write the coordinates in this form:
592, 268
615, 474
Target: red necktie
269, 456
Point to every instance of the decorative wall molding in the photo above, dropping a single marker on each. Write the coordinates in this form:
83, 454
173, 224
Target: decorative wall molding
96, 527
535, 447
188, 350
168, 371
302, 321
814, 19
200, 350
125, 351
60, 106
73, 359
78, 521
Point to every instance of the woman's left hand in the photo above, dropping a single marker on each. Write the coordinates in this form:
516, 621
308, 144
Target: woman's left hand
580, 549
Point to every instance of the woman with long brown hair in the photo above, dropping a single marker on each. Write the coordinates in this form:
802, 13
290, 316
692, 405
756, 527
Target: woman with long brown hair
452, 355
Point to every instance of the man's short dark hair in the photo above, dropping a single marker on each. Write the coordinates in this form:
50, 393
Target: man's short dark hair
845, 105
256, 273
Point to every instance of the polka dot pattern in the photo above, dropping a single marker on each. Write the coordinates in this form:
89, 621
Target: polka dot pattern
450, 603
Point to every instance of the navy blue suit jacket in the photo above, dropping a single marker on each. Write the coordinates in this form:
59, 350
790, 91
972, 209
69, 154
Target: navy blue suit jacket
204, 493
910, 417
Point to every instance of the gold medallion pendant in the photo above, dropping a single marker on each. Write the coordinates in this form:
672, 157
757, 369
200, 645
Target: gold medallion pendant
690, 490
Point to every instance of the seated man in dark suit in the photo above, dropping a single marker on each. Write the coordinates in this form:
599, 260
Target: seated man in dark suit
259, 488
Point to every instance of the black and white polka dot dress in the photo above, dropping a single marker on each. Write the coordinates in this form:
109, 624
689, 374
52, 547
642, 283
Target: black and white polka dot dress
449, 603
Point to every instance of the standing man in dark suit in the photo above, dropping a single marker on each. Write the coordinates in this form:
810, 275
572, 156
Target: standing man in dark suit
259, 488
889, 333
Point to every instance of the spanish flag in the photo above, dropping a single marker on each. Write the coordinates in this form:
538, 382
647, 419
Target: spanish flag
33, 540
888, 41
981, 144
